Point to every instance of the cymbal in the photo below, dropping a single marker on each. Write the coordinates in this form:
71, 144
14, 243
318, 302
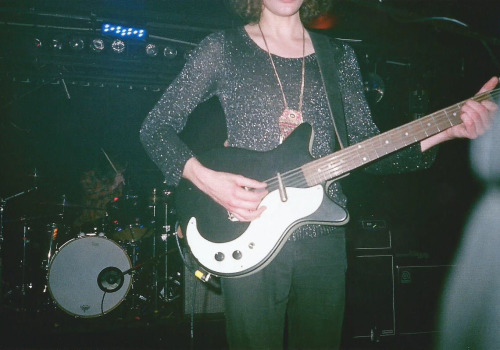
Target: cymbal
30, 218
162, 195
131, 234
67, 204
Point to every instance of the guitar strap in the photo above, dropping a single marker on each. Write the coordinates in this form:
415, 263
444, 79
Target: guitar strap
327, 55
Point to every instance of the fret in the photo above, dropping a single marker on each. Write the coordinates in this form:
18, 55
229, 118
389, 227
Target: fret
423, 128
387, 144
371, 152
436, 123
399, 140
448, 116
456, 114
406, 137
442, 121
339, 164
362, 156
356, 161
430, 127
420, 134
326, 171
378, 147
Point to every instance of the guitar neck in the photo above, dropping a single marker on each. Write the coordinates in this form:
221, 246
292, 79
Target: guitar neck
360, 154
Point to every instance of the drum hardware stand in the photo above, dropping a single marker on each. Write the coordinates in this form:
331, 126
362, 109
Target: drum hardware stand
3, 204
53, 230
23, 267
110, 279
155, 267
155, 256
164, 238
131, 271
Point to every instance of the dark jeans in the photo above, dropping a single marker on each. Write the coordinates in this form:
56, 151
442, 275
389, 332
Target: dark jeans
305, 284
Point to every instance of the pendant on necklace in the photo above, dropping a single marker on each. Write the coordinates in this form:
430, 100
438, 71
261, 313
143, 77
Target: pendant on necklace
288, 121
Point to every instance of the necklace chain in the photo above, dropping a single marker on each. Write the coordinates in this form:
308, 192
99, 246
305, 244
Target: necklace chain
276, 72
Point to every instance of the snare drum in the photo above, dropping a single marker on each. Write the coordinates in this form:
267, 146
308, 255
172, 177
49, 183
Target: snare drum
74, 274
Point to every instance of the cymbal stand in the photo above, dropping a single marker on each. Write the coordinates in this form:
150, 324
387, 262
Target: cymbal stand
155, 266
3, 204
23, 266
63, 206
53, 230
164, 238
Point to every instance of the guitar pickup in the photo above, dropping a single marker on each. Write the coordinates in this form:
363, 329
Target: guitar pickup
281, 188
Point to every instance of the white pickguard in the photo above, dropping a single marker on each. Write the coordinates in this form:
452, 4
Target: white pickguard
262, 237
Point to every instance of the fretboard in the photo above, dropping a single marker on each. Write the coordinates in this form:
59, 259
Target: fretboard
360, 154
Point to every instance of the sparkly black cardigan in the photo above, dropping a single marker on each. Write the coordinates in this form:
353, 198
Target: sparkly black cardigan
230, 65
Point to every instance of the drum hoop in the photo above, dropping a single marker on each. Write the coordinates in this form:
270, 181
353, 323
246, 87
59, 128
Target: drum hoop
102, 313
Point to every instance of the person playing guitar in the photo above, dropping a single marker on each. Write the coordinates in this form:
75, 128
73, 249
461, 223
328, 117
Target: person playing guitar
275, 78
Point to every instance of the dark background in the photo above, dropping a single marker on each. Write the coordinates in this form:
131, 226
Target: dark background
60, 108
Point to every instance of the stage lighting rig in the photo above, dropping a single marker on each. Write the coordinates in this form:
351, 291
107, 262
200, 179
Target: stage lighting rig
38, 43
76, 44
97, 45
118, 46
151, 50
57, 44
170, 52
124, 31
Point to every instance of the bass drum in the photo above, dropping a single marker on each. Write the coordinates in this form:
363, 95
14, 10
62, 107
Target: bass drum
76, 273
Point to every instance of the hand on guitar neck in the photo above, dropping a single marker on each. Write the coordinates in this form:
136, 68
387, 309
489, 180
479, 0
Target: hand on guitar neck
239, 195
476, 118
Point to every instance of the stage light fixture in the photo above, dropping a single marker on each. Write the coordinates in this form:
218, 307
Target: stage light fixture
76, 44
38, 43
187, 54
118, 46
123, 31
169, 52
97, 45
151, 50
56, 44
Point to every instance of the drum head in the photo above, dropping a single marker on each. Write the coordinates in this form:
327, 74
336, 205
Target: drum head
73, 276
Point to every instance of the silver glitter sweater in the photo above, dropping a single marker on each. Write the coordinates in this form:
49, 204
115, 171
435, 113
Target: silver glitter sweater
230, 65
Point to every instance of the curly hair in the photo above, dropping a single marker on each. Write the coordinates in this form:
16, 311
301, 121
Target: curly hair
250, 10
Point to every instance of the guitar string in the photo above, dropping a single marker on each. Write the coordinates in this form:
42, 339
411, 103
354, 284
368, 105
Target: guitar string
350, 154
350, 150
334, 162
353, 152
399, 138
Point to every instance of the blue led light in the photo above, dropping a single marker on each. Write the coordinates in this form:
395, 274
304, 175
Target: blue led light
123, 31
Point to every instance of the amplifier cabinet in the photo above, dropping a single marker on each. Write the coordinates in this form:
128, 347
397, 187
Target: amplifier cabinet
370, 235
370, 297
418, 294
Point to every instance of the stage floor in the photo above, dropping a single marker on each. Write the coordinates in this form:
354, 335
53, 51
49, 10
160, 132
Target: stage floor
133, 328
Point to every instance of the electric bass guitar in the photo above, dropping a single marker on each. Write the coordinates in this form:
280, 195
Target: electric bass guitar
296, 185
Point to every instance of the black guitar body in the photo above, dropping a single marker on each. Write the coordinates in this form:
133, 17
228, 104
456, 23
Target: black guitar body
212, 219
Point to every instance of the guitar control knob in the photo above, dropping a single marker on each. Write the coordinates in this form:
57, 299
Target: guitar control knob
237, 255
219, 256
